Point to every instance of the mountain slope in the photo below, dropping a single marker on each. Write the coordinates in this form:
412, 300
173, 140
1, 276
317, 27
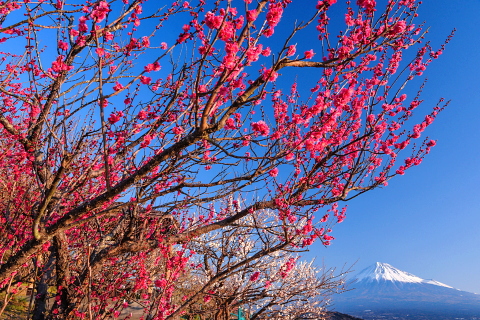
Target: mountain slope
340, 316
382, 288
385, 272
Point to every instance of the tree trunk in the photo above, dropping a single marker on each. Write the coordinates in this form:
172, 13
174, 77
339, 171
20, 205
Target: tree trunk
63, 305
41, 288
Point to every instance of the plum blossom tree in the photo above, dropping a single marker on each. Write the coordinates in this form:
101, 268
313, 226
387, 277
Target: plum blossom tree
244, 267
126, 124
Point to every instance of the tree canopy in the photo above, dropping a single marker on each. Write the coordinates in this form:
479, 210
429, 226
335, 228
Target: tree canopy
130, 129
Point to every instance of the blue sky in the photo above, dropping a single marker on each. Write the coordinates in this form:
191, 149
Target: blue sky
428, 221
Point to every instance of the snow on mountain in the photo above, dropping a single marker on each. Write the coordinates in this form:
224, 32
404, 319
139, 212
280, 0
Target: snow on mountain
382, 291
437, 283
384, 272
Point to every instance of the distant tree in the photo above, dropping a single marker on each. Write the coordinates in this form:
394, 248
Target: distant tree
127, 125
244, 266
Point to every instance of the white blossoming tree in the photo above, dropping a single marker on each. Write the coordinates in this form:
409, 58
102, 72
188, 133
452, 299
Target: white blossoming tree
246, 266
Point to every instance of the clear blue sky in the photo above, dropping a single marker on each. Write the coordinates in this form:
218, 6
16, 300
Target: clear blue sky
428, 221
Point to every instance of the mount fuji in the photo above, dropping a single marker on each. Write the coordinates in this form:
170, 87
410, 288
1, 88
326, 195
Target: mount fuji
382, 291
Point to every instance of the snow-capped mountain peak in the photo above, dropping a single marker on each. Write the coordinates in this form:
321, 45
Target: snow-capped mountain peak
384, 272
384, 290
